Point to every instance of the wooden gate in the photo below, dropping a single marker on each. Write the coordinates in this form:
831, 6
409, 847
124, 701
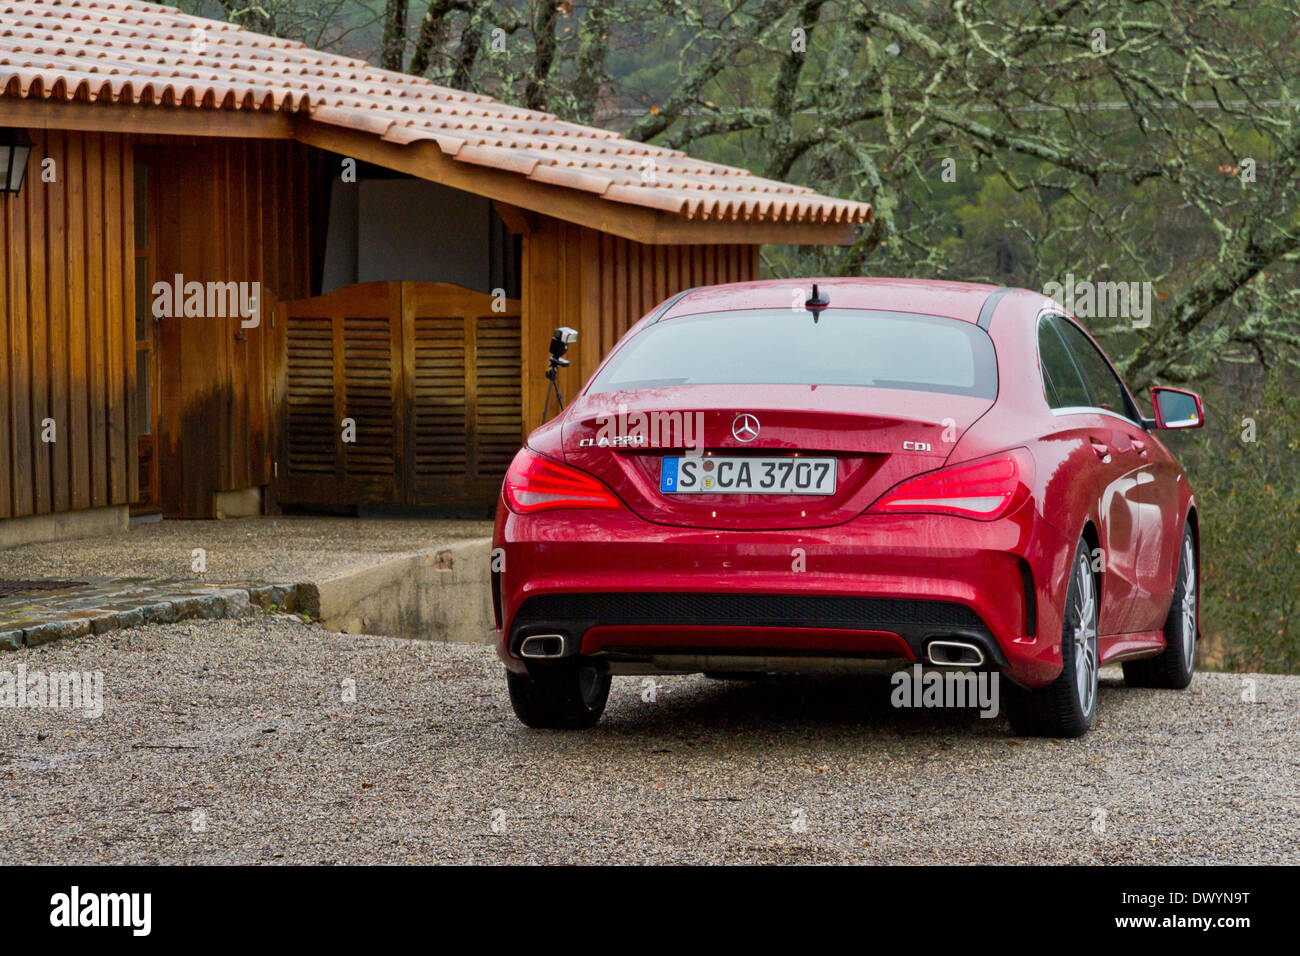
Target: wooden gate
399, 393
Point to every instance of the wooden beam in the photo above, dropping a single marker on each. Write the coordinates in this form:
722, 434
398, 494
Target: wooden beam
648, 226
132, 118
519, 221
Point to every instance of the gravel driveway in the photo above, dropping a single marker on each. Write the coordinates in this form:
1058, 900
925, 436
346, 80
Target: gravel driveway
285, 549
229, 742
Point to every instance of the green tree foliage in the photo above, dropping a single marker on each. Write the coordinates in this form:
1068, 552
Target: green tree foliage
1248, 488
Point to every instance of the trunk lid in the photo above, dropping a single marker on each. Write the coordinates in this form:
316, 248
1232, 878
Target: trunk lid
622, 438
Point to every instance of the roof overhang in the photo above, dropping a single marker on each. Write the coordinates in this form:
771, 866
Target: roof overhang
423, 159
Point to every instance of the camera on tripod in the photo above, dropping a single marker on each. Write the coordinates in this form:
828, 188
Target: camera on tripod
561, 339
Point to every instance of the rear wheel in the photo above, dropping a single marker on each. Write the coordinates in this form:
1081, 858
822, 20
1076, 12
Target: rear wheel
559, 696
1065, 707
1173, 667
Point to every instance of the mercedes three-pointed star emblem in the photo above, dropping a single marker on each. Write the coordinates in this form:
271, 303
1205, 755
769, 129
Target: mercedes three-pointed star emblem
745, 428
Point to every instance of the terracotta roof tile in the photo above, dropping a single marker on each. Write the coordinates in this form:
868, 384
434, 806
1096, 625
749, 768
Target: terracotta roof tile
123, 51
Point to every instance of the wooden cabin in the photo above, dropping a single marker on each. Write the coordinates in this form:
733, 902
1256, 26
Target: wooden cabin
240, 274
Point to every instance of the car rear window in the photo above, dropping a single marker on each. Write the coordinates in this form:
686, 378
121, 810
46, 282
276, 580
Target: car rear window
785, 347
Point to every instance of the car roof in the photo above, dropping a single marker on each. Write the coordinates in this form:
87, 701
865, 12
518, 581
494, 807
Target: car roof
955, 300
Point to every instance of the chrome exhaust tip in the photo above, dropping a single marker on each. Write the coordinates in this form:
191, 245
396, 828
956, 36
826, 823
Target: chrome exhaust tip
543, 646
954, 654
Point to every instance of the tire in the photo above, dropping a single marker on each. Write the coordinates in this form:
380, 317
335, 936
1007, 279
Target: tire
1066, 707
1172, 668
559, 696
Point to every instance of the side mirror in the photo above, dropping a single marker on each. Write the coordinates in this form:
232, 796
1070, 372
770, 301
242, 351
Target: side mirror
1176, 408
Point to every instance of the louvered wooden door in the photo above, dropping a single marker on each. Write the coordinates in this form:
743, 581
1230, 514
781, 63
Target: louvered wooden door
399, 393
465, 421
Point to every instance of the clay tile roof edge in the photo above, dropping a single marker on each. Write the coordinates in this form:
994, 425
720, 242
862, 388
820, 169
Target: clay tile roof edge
130, 52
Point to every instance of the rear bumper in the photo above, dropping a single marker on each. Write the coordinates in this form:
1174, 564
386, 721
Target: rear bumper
627, 592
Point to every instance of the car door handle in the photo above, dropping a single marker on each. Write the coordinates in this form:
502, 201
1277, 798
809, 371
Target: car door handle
1140, 447
1101, 448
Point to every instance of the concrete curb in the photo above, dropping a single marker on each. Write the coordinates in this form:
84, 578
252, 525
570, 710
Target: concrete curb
439, 594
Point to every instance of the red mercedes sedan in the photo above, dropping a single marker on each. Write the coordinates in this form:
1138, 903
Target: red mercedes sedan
794, 477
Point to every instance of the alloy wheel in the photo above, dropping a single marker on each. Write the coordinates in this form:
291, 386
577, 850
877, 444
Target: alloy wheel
1085, 635
1189, 601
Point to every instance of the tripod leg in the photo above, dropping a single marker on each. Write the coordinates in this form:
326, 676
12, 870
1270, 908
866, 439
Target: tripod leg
559, 399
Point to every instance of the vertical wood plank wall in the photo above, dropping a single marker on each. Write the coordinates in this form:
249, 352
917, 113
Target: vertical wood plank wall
66, 329
602, 285
229, 210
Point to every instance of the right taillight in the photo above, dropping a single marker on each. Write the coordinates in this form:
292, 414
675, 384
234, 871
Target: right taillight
537, 484
985, 489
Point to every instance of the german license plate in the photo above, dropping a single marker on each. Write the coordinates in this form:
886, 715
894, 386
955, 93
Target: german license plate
718, 475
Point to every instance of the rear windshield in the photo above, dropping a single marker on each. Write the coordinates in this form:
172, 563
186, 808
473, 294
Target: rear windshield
785, 347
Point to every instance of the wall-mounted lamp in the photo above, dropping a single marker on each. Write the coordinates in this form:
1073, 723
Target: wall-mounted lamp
15, 150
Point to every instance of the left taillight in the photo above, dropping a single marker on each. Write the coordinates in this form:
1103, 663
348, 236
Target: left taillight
536, 484
984, 489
